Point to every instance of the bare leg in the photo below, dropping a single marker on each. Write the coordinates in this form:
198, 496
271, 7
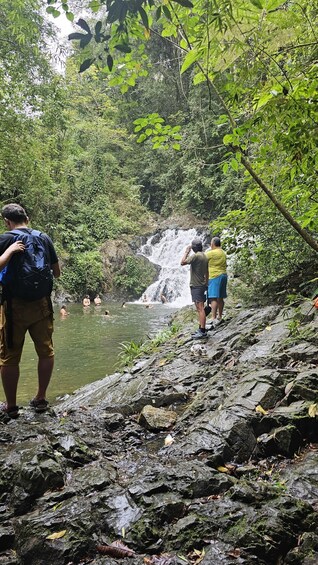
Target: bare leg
220, 306
10, 379
201, 313
214, 307
45, 368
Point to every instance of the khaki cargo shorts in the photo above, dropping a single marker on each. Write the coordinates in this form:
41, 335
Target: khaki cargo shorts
35, 317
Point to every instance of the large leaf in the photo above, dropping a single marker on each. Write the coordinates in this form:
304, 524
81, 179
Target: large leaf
84, 25
123, 48
190, 58
86, 64
185, 3
76, 35
144, 17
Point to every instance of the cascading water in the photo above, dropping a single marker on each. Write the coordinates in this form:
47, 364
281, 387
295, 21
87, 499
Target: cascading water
166, 250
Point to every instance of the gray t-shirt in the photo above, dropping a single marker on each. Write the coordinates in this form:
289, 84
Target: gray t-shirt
198, 269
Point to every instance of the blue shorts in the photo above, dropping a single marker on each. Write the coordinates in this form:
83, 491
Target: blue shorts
217, 287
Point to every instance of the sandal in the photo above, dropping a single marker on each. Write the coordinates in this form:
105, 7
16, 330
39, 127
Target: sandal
39, 405
7, 414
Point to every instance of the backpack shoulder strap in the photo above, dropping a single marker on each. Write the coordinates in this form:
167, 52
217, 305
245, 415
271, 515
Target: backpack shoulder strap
18, 231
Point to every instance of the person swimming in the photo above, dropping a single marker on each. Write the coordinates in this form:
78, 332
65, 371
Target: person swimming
63, 311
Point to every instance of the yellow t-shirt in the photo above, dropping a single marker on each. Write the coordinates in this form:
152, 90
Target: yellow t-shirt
217, 262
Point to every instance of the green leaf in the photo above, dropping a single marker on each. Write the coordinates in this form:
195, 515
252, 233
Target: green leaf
94, 5
158, 13
190, 58
141, 138
257, 4
76, 35
98, 28
110, 62
144, 17
234, 164
166, 12
53, 11
225, 168
176, 146
185, 3
123, 48
81, 23
86, 64
227, 139
273, 4
85, 40
69, 16
198, 78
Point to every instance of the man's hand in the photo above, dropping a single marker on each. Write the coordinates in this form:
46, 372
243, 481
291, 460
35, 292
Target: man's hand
186, 253
16, 247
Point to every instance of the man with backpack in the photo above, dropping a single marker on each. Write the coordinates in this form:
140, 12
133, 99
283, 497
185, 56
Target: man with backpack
26, 306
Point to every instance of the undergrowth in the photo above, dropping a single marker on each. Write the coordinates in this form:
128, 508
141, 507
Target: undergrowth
130, 351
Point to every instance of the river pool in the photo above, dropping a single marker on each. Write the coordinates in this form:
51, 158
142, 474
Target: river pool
87, 344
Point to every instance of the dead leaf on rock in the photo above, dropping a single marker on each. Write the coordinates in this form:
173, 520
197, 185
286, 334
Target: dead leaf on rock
222, 469
268, 328
169, 440
115, 549
162, 362
288, 387
196, 556
261, 410
236, 552
313, 410
230, 363
56, 535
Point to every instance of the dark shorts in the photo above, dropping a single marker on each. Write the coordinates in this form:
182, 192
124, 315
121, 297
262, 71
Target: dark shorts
36, 318
198, 293
217, 287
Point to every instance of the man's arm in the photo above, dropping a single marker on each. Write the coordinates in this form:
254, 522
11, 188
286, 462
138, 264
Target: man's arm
185, 256
56, 270
15, 247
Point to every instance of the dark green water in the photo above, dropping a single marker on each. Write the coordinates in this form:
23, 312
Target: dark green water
87, 344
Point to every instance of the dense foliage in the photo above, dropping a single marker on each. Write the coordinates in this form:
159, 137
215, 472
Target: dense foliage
203, 106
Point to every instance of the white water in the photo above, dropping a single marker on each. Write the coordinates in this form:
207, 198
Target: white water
173, 280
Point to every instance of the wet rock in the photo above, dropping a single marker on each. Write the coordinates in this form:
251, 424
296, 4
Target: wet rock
301, 478
237, 483
156, 419
285, 441
7, 537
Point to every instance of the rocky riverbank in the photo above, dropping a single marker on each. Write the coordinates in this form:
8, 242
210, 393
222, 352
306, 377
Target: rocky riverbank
200, 453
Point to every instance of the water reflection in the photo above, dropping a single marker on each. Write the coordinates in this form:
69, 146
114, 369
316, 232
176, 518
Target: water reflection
87, 344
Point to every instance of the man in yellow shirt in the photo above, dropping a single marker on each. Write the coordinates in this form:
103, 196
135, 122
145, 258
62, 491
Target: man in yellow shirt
217, 280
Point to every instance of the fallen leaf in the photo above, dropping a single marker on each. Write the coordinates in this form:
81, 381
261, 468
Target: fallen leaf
222, 469
169, 440
236, 552
313, 410
56, 535
268, 328
260, 409
162, 362
116, 549
288, 387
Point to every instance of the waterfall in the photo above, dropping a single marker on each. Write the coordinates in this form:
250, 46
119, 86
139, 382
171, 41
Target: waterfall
166, 250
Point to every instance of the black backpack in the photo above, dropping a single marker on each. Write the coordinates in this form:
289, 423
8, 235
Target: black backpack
28, 274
